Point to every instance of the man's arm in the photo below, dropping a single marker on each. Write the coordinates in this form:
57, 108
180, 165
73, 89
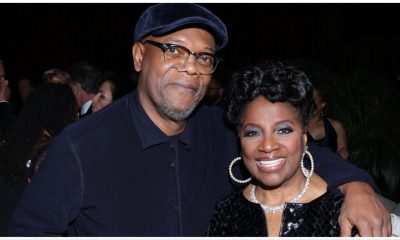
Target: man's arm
334, 170
53, 198
360, 208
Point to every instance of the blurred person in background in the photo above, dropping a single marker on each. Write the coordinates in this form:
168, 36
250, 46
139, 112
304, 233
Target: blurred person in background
85, 80
215, 89
326, 132
109, 91
7, 116
55, 75
47, 110
25, 87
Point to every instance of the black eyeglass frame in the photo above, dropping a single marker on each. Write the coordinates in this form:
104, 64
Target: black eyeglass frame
166, 46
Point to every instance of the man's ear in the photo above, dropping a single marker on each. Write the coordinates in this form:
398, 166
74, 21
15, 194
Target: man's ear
137, 54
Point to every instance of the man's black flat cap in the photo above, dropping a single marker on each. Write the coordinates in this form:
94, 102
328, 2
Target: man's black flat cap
165, 18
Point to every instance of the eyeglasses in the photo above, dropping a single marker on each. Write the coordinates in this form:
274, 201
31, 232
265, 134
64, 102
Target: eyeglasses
176, 55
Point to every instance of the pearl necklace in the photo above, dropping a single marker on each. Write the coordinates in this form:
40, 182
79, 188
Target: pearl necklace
278, 208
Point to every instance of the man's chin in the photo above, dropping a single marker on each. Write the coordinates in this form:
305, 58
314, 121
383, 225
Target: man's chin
178, 113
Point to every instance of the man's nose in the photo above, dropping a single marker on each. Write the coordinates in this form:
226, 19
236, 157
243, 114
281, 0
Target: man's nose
190, 66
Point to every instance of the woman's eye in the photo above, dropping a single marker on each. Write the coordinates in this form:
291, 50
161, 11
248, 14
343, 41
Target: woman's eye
284, 130
251, 133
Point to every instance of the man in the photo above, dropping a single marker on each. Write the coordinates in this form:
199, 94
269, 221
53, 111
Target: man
7, 120
25, 87
7, 116
85, 81
153, 164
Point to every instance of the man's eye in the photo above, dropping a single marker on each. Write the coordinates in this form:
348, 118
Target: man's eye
172, 49
206, 60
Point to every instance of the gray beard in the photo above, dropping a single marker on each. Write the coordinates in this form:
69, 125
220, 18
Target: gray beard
175, 115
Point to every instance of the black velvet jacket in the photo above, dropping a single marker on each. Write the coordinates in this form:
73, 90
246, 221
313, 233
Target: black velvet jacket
236, 216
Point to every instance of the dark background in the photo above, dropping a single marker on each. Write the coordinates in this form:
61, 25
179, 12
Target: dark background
353, 48
36, 37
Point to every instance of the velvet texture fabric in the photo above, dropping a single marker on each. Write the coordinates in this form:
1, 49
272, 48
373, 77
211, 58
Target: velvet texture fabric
238, 217
165, 18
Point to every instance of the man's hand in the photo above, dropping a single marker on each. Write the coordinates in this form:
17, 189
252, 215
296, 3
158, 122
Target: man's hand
361, 208
4, 90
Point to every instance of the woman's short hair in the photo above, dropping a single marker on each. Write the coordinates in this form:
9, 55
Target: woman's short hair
277, 82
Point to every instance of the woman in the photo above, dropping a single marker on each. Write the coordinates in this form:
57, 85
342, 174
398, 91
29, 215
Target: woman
48, 109
109, 91
326, 131
270, 105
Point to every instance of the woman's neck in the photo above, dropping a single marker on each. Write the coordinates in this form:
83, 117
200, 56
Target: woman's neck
285, 192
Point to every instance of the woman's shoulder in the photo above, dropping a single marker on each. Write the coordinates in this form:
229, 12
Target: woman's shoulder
331, 202
238, 205
236, 216
234, 199
318, 218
